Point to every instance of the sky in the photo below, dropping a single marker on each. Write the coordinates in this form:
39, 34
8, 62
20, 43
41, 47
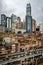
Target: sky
18, 7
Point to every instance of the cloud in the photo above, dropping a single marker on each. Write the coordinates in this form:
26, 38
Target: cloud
18, 7
37, 10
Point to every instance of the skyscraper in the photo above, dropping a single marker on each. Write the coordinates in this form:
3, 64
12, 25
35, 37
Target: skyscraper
14, 22
24, 23
28, 9
33, 25
4, 20
14, 18
28, 19
19, 25
8, 24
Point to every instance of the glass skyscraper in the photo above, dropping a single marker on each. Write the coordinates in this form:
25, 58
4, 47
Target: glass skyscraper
28, 10
4, 20
14, 18
8, 23
29, 24
28, 19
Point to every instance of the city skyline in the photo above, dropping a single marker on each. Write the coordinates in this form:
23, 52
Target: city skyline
18, 7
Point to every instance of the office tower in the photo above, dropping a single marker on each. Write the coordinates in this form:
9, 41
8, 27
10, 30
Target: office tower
14, 22
14, 18
19, 25
4, 20
24, 23
29, 24
28, 9
33, 25
28, 19
8, 24
19, 19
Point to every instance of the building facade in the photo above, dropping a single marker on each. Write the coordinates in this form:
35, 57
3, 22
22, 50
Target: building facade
8, 23
28, 9
14, 22
2, 28
29, 24
24, 23
14, 18
28, 19
19, 25
33, 25
13, 27
4, 20
20, 30
19, 19
41, 28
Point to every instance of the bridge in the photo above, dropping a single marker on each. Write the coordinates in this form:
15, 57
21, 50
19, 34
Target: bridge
32, 54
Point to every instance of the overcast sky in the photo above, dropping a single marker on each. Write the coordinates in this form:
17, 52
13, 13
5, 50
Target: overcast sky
18, 7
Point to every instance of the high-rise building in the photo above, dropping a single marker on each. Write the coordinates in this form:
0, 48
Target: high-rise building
28, 19
14, 22
8, 23
19, 19
4, 20
28, 9
33, 25
14, 18
24, 23
29, 24
19, 25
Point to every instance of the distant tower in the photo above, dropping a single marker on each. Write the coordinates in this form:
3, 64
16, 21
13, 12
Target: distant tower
8, 24
4, 20
28, 10
28, 19
14, 22
19, 25
33, 25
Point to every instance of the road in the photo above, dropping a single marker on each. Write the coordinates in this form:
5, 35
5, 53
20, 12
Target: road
21, 58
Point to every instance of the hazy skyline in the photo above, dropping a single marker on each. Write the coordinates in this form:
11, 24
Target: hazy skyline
18, 7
